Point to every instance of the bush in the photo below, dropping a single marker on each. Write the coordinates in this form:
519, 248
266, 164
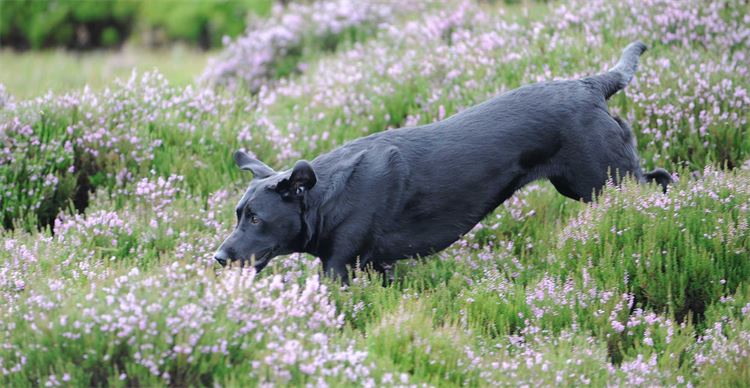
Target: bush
89, 24
678, 253
44, 23
199, 22
273, 48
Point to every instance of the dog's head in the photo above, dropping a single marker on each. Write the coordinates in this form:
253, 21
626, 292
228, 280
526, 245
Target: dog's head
270, 216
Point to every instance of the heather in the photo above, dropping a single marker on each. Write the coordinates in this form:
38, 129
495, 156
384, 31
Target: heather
113, 201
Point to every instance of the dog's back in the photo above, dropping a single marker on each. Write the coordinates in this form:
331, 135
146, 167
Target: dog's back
452, 173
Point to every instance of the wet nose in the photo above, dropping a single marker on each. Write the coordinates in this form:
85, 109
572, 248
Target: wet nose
221, 257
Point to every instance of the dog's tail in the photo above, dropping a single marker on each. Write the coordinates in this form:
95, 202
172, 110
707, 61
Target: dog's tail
619, 76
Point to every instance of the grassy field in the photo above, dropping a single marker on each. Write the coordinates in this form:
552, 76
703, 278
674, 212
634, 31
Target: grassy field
31, 74
114, 199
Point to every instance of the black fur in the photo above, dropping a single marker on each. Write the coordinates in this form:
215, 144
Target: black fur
414, 191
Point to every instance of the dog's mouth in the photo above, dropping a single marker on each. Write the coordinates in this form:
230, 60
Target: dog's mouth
262, 261
258, 261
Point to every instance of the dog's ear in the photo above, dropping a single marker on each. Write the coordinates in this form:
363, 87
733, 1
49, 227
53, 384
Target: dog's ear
247, 162
300, 181
660, 176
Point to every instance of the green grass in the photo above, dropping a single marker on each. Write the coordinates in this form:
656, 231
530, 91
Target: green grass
33, 73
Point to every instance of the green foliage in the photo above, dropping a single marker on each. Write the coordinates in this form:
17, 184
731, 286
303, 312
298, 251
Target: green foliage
199, 22
677, 254
40, 190
69, 23
107, 23
30, 74
408, 341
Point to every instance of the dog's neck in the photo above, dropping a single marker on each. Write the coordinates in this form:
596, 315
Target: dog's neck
314, 223
307, 237
321, 199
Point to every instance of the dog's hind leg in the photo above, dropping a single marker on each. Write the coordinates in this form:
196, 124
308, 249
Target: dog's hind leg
660, 176
630, 162
586, 182
580, 189
586, 165
609, 154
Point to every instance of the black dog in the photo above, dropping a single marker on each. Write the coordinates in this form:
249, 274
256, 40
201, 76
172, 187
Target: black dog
413, 191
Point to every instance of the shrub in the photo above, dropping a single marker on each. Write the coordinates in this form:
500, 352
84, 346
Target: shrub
68, 23
675, 253
107, 23
272, 48
204, 23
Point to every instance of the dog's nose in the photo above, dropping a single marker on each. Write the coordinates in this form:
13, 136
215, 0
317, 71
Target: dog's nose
221, 257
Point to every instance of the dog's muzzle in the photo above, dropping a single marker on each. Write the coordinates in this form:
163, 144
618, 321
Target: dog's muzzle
221, 257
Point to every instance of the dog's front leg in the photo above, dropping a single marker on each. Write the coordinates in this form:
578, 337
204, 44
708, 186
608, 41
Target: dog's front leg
336, 268
386, 271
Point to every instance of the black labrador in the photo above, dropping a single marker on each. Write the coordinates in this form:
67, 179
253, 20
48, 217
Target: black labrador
412, 192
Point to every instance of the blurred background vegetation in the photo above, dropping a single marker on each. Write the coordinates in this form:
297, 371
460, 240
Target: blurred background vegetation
76, 24
61, 45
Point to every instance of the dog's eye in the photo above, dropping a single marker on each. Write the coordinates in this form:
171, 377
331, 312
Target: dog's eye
254, 219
